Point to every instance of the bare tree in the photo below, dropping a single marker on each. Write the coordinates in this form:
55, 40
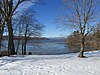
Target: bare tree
2, 23
8, 9
28, 27
80, 16
97, 36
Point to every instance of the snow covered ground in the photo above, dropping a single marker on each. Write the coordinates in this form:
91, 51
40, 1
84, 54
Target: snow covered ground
66, 64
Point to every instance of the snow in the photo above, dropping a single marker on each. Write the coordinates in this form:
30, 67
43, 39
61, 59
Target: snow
65, 64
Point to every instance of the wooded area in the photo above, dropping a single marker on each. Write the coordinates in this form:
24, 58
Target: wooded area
83, 17
24, 24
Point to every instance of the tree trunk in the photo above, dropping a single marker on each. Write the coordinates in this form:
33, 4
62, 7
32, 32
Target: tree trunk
81, 54
17, 46
22, 48
1, 31
25, 41
1, 34
11, 48
0, 40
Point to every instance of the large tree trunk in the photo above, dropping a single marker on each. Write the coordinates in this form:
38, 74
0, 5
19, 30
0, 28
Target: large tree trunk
25, 48
17, 46
81, 54
25, 42
0, 40
25, 39
1, 32
11, 48
22, 48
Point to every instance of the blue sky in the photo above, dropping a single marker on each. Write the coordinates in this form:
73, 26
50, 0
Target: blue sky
47, 14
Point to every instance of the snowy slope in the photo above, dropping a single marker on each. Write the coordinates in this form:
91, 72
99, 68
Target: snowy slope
67, 64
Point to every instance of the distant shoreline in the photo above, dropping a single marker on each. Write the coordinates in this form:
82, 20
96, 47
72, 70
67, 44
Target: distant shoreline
29, 38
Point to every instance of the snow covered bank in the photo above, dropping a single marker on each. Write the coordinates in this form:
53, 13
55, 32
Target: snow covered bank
67, 64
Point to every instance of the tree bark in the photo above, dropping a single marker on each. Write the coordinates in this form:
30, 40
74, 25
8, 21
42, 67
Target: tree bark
81, 54
22, 48
1, 31
17, 46
25, 42
25, 48
11, 48
1, 34
25, 38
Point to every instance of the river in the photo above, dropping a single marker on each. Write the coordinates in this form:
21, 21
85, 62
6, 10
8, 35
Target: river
51, 46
